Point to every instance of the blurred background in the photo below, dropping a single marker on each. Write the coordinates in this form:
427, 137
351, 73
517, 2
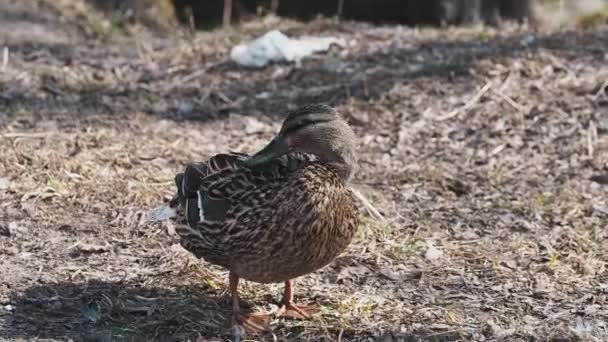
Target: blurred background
212, 13
483, 129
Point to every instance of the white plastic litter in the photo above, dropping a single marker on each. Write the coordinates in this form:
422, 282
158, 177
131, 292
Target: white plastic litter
161, 213
274, 46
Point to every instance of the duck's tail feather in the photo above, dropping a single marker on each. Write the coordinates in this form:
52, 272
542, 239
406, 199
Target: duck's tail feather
189, 188
190, 199
166, 212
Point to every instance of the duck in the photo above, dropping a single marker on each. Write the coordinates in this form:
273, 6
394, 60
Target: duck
275, 215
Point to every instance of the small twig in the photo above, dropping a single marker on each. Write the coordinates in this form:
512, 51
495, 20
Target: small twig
340, 8
224, 98
591, 132
4, 57
439, 333
467, 105
25, 135
53, 90
505, 82
191, 20
191, 77
601, 91
497, 149
274, 6
521, 110
227, 13
510, 101
368, 206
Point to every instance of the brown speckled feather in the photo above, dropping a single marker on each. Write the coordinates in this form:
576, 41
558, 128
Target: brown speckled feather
288, 218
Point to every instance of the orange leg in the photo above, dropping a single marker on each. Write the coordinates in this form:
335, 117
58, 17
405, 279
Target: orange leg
289, 309
252, 323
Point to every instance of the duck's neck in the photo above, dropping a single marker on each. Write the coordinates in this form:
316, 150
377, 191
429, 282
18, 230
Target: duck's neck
344, 164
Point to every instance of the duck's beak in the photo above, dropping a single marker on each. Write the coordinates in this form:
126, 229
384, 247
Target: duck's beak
276, 148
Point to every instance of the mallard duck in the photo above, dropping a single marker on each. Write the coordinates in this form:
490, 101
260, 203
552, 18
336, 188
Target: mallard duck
276, 215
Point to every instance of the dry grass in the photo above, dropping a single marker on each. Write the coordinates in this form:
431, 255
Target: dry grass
562, 13
486, 152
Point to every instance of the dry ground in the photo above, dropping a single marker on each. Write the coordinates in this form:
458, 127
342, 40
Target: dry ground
487, 153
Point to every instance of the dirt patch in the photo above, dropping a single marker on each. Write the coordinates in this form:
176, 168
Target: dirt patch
486, 152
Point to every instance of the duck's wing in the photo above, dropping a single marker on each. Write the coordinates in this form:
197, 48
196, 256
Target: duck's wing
192, 186
236, 184
193, 178
228, 205
210, 189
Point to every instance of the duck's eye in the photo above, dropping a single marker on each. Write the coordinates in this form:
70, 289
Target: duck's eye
303, 123
297, 126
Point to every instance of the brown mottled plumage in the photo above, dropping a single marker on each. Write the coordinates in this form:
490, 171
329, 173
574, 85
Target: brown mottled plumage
279, 214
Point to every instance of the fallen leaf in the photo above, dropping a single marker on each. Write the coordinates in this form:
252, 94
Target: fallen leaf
15, 228
352, 272
440, 326
600, 179
457, 186
91, 314
432, 253
86, 248
398, 275
600, 208
4, 183
494, 330
253, 125
468, 234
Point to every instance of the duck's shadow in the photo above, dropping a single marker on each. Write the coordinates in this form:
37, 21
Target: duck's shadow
108, 311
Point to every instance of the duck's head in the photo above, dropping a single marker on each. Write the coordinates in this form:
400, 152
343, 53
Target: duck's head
313, 129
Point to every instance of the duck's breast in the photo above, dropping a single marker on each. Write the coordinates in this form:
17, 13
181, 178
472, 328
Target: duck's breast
309, 221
